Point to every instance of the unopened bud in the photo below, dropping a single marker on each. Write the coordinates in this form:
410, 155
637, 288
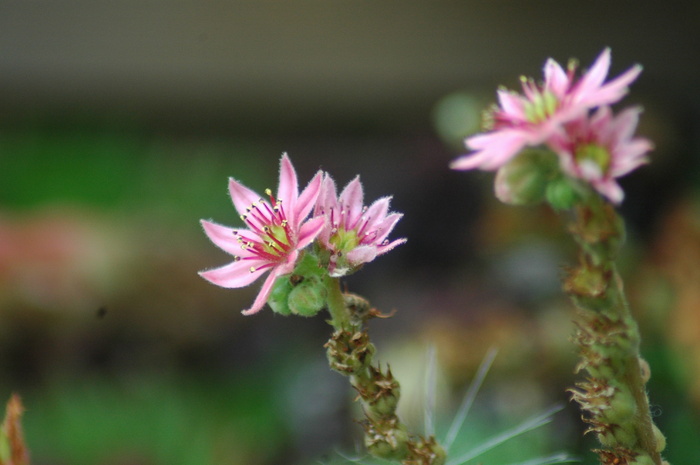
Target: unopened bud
523, 180
659, 437
308, 297
391, 444
280, 295
643, 459
561, 193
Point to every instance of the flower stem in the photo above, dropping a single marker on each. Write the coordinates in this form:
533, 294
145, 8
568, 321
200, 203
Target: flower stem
340, 317
350, 353
613, 395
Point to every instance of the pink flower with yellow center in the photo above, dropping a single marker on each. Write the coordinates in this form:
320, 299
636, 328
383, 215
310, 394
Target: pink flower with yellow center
277, 230
600, 148
531, 118
353, 233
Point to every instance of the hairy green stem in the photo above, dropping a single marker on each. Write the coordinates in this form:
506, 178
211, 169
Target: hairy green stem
351, 354
613, 395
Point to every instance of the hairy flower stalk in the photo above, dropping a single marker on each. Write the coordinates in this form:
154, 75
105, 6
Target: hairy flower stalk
350, 353
613, 396
561, 142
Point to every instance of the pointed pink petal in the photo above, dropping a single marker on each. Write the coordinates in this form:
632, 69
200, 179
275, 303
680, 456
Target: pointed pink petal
376, 212
632, 158
222, 237
593, 79
234, 275
386, 226
307, 199
242, 196
610, 189
262, 296
288, 188
361, 254
493, 150
511, 104
555, 78
327, 198
382, 249
351, 201
614, 90
309, 231
626, 123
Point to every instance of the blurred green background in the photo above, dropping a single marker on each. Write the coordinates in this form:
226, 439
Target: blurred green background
120, 123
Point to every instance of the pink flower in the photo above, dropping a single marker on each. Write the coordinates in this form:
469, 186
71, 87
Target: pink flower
601, 148
277, 231
353, 233
532, 118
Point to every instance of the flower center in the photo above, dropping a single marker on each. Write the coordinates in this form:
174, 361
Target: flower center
268, 221
344, 240
346, 236
540, 105
594, 155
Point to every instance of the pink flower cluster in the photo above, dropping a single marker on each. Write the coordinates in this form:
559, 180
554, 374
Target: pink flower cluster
279, 229
571, 117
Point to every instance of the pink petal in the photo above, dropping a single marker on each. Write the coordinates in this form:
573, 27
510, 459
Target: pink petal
361, 254
222, 237
512, 104
614, 90
328, 198
626, 123
307, 199
382, 249
351, 200
234, 275
387, 225
376, 212
632, 158
242, 196
610, 189
288, 188
263, 295
309, 231
493, 150
555, 78
593, 79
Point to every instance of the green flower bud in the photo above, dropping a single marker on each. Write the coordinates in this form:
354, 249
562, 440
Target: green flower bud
626, 435
659, 437
561, 193
308, 297
386, 403
642, 460
280, 294
524, 179
391, 444
622, 407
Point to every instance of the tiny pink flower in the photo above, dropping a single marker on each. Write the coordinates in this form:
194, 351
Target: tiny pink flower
600, 148
353, 234
531, 118
276, 231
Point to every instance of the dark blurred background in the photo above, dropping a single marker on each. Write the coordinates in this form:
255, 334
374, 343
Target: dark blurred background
120, 123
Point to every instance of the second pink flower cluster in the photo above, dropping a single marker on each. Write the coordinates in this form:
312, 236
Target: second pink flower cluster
278, 229
570, 117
